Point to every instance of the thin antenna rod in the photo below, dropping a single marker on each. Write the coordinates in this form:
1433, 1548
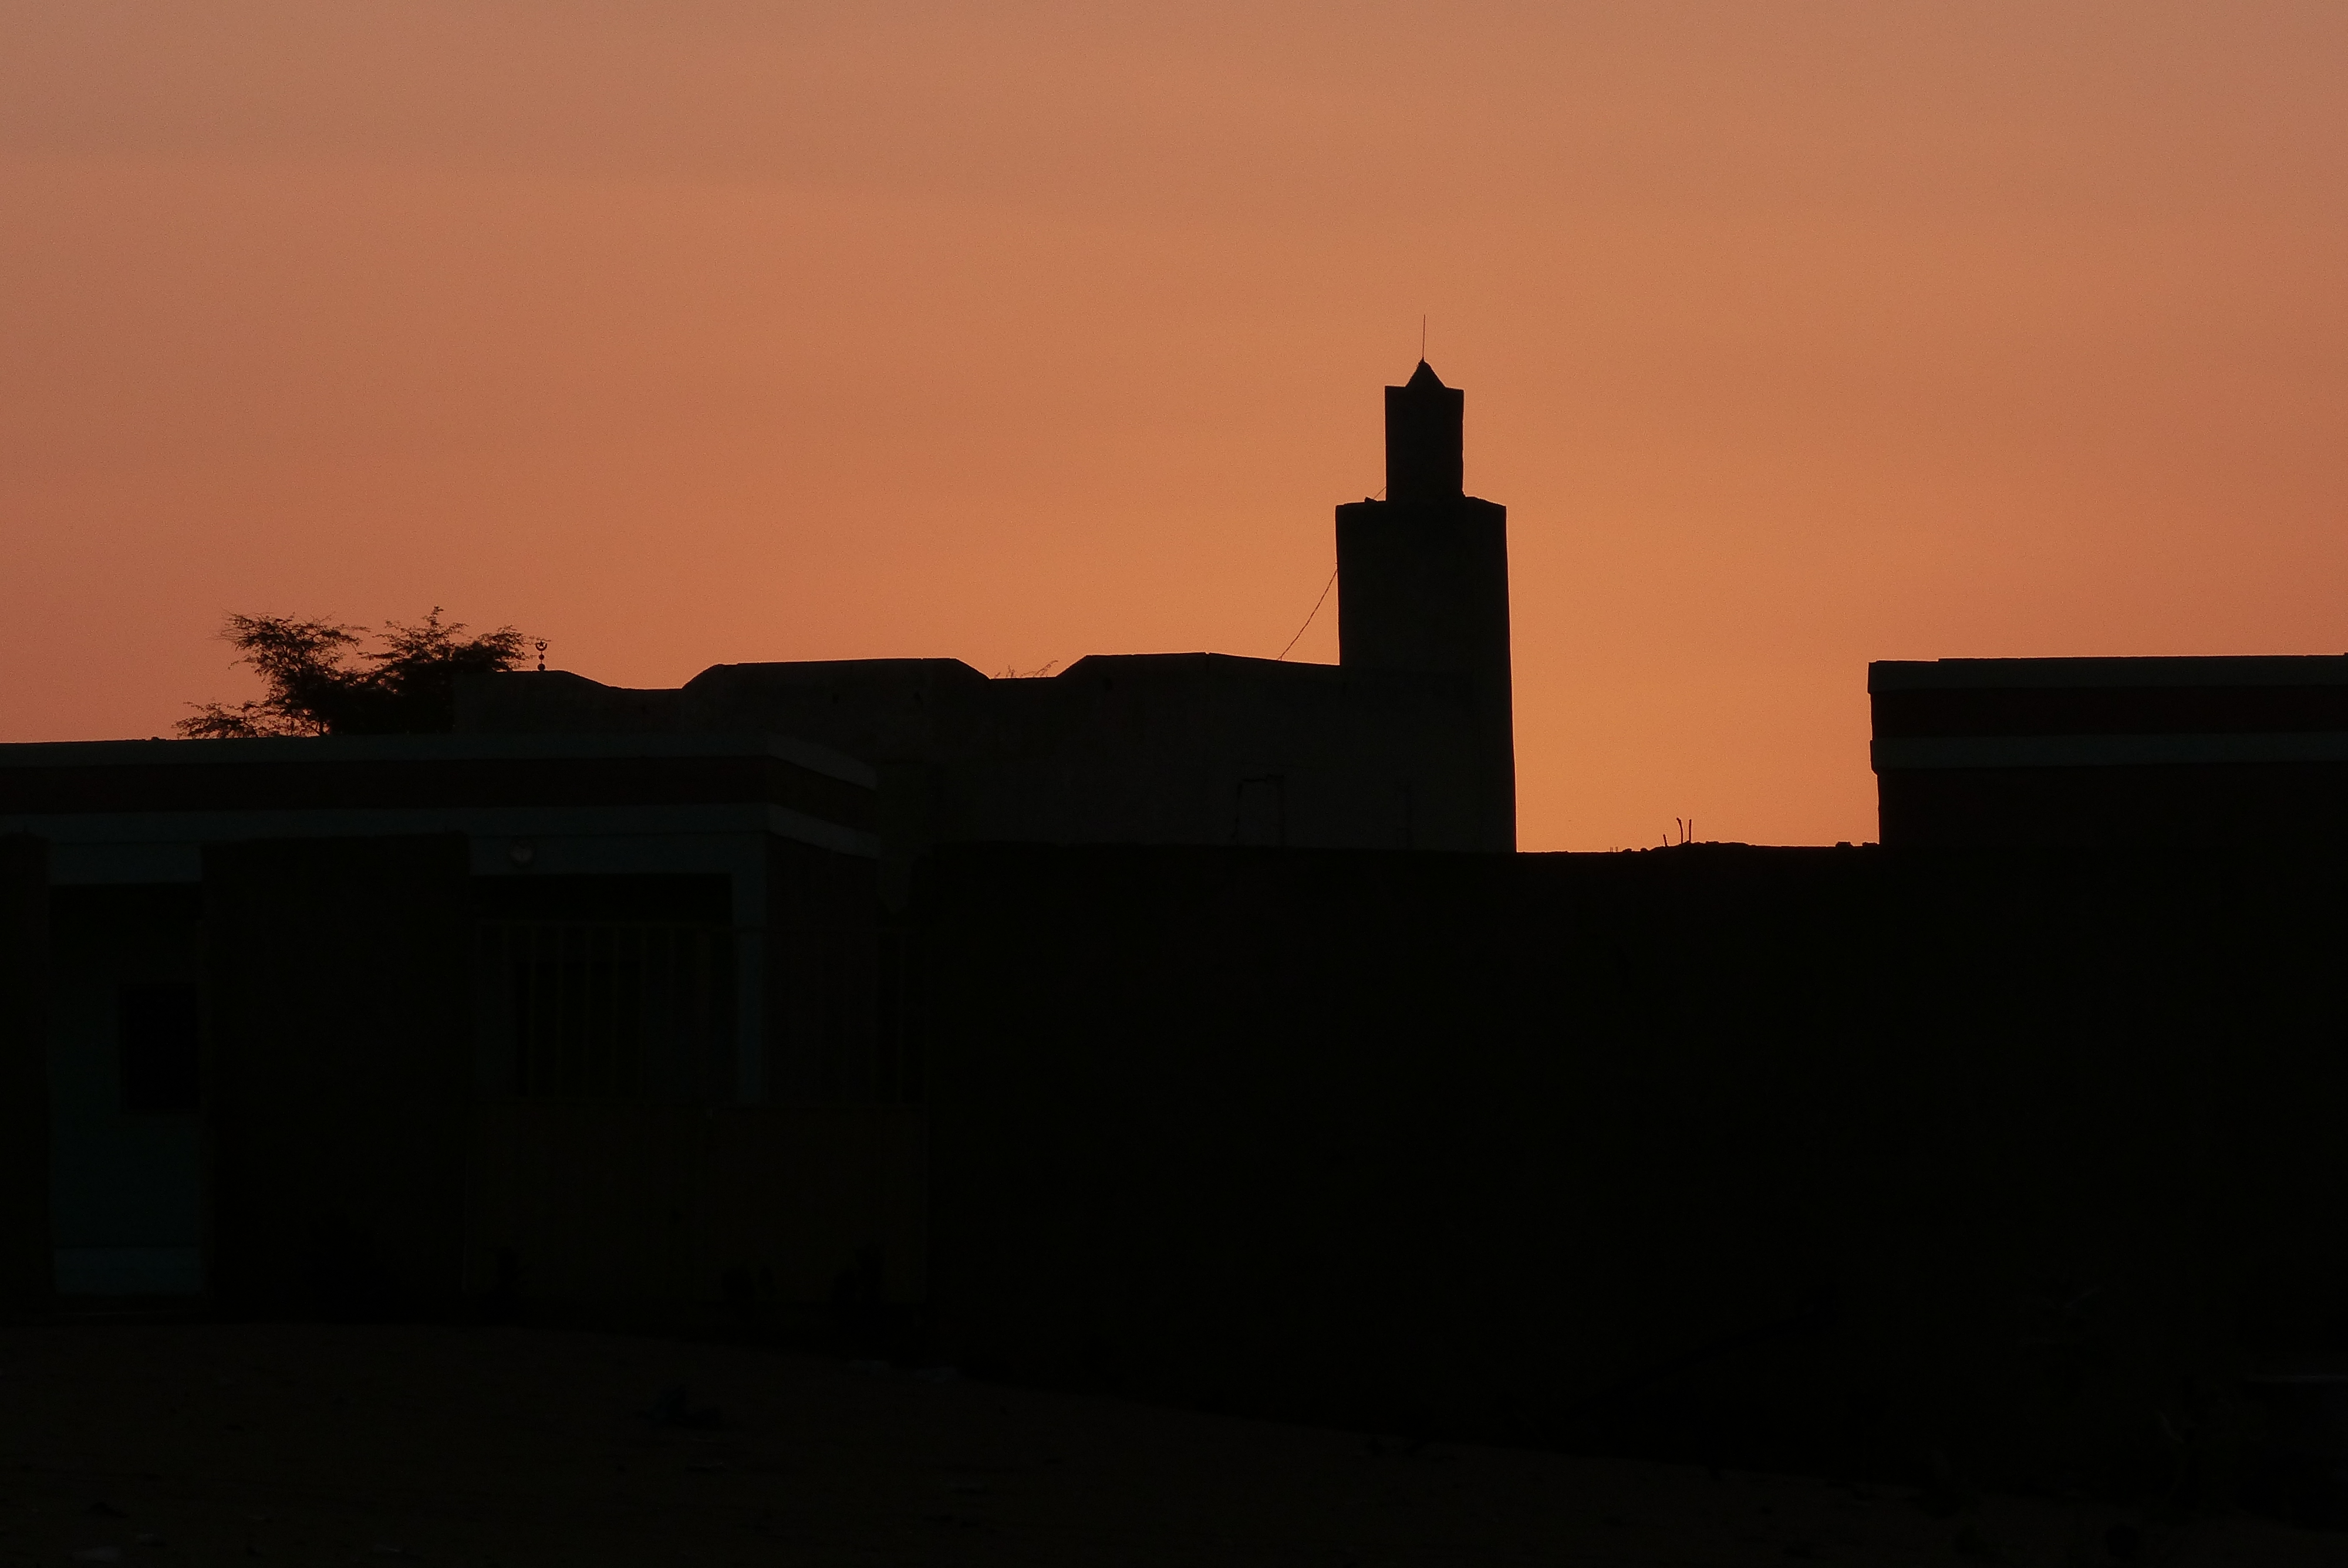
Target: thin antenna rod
1422, 339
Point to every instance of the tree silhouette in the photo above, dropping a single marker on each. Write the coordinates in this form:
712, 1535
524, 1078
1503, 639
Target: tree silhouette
314, 686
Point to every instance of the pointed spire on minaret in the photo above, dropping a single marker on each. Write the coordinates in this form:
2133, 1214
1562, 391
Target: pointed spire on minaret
1425, 423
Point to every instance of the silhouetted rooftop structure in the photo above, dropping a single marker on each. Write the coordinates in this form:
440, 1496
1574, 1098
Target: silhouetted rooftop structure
1425, 434
1407, 742
2149, 752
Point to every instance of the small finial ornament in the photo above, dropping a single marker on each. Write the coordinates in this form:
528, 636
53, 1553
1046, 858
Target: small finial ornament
541, 655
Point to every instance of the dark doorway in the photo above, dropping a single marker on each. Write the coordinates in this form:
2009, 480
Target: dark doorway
162, 1045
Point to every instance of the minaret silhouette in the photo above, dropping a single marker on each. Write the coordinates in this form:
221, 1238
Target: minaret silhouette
1423, 585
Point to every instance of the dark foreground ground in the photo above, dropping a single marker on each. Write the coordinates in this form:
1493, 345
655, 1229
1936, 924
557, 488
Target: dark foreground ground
171, 1444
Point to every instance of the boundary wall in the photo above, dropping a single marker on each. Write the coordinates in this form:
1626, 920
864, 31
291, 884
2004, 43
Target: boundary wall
2022, 1164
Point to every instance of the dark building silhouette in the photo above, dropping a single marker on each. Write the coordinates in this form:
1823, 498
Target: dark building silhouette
2172, 752
1406, 742
666, 899
674, 923
1117, 1029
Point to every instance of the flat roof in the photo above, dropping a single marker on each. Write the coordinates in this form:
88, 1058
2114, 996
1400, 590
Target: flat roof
1978, 674
299, 750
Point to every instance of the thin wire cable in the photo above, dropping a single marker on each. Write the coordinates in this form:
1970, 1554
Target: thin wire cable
1316, 611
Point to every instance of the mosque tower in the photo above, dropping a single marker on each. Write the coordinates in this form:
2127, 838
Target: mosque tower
1422, 585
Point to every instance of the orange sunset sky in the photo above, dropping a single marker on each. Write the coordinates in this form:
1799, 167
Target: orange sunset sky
1794, 335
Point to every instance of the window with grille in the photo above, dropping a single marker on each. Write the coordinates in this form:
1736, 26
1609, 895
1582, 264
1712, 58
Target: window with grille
607, 1011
